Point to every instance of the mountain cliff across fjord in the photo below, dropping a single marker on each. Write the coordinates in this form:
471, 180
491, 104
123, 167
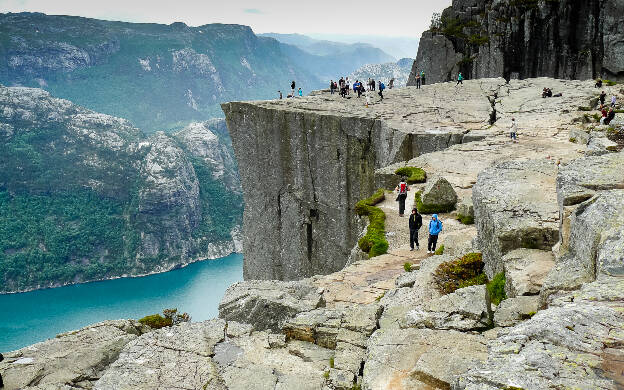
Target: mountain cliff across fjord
565, 39
85, 196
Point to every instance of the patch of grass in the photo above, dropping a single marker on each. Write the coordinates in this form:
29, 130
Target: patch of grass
528, 316
326, 375
413, 174
331, 362
170, 317
465, 219
374, 242
380, 297
596, 117
609, 83
356, 386
463, 272
573, 140
439, 251
430, 209
407, 267
478, 40
496, 288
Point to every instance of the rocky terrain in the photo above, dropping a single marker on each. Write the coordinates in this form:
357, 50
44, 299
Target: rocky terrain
524, 38
548, 214
86, 196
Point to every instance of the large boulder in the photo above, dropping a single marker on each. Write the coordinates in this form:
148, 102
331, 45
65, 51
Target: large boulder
515, 207
525, 271
512, 311
76, 358
438, 196
466, 309
268, 304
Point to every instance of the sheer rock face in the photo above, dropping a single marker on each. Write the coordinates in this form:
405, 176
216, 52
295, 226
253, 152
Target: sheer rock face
522, 39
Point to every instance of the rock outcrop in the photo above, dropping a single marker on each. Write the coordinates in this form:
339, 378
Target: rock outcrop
519, 39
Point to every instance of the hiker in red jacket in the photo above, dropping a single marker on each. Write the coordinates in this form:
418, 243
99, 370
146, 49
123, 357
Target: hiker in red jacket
402, 189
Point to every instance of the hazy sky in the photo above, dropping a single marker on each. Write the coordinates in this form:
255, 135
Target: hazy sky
390, 17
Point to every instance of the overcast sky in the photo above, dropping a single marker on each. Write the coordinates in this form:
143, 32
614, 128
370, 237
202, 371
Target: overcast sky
387, 18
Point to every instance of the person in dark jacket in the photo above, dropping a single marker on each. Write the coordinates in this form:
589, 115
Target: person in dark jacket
415, 223
603, 97
435, 227
402, 189
292, 86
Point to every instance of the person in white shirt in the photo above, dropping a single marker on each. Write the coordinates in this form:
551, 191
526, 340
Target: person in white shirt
513, 130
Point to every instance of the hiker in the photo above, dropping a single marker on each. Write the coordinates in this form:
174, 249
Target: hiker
599, 83
348, 84
603, 97
367, 93
460, 79
435, 227
604, 112
331, 87
292, 86
391, 83
280, 94
415, 223
356, 86
610, 117
1, 382
372, 84
422, 77
360, 89
402, 189
513, 130
381, 89
613, 99
300, 93
418, 81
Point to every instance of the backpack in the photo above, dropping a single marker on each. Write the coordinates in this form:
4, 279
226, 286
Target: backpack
402, 188
382, 86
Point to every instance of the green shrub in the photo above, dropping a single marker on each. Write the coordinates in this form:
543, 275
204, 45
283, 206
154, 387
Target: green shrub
413, 174
170, 317
609, 83
383, 294
465, 219
430, 209
374, 242
572, 139
596, 117
407, 267
331, 362
156, 321
326, 375
439, 251
496, 288
463, 272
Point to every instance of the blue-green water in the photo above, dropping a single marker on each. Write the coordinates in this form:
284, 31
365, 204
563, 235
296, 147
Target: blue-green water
30, 317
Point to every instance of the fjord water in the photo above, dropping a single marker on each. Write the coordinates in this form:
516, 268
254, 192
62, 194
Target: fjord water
27, 318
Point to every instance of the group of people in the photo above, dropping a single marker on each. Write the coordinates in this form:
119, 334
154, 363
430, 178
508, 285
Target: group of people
420, 79
344, 87
608, 114
547, 92
415, 221
292, 94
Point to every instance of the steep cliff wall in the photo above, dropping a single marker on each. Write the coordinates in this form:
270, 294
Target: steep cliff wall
566, 39
304, 163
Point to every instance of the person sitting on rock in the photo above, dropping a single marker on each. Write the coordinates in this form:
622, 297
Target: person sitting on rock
435, 227
402, 189
604, 112
609, 117
544, 93
415, 223
599, 83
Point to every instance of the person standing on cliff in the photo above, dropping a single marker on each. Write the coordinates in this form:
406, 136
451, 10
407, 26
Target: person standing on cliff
381, 86
415, 223
460, 79
300, 93
613, 100
603, 97
422, 77
513, 130
435, 227
292, 86
280, 94
402, 189
418, 81
372, 84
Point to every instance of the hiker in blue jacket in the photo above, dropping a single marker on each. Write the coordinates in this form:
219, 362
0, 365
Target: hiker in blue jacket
435, 227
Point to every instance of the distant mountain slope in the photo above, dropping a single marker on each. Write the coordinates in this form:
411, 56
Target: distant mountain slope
86, 196
160, 77
398, 70
328, 60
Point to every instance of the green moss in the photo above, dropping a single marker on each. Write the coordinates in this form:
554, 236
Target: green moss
326, 375
430, 209
527, 316
465, 219
609, 83
572, 139
374, 242
331, 362
356, 387
439, 251
479, 40
156, 321
496, 288
463, 272
380, 297
407, 267
413, 174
